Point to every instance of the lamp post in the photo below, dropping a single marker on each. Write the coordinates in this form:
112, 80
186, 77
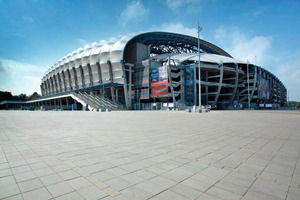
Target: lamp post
200, 106
248, 84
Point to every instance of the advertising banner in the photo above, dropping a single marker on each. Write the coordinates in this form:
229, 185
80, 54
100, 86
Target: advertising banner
159, 75
159, 90
141, 75
159, 81
189, 83
144, 94
154, 76
140, 93
262, 88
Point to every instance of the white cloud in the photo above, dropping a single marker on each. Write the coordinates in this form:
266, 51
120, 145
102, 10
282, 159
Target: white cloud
289, 74
177, 28
18, 77
28, 19
243, 47
256, 13
83, 42
134, 12
188, 5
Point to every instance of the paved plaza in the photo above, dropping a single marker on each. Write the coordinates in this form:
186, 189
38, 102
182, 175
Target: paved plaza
157, 155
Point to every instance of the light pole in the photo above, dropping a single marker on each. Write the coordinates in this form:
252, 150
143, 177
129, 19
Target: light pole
248, 84
199, 29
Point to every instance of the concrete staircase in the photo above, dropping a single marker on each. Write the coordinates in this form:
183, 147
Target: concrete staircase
98, 102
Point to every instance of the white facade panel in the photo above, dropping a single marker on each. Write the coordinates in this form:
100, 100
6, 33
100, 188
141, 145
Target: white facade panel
85, 57
62, 78
57, 82
52, 82
105, 73
86, 76
117, 72
68, 58
67, 81
93, 59
61, 69
78, 60
72, 74
95, 74
79, 78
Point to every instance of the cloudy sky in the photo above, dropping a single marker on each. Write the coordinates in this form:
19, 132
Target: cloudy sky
34, 34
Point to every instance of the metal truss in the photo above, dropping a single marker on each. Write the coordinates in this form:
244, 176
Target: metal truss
162, 45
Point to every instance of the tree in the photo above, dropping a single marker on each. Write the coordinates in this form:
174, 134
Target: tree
5, 96
20, 97
293, 103
34, 96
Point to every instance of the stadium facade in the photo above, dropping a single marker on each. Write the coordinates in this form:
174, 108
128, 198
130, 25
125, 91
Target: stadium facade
156, 69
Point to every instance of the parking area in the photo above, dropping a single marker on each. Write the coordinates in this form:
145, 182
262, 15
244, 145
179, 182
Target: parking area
149, 155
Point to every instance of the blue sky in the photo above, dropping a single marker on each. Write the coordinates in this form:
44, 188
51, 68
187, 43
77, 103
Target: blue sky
34, 34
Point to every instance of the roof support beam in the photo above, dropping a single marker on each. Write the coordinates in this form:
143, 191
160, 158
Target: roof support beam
220, 83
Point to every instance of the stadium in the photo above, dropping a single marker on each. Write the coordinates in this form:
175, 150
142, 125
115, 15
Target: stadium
156, 70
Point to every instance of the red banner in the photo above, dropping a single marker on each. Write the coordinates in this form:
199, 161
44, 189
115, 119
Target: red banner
159, 90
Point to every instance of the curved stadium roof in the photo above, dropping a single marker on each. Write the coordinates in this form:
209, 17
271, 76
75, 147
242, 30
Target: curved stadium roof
113, 48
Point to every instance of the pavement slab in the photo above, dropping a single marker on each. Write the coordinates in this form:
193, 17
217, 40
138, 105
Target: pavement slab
149, 155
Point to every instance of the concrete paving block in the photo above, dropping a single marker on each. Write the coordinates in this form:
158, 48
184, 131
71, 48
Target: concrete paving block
51, 179
92, 193
70, 196
135, 193
79, 183
38, 194
59, 189
30, 185
169, 195
68, 175
187, 192
8, 190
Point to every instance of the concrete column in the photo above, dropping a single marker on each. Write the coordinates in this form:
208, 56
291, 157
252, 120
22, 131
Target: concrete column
117, 94
236, 83
254, 84
60, 101
67, 102
220, 84
112, 91
125, 86
75, 104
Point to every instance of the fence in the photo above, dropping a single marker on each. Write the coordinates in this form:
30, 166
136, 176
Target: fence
160, 106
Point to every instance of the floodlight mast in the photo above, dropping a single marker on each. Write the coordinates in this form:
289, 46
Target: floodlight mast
199, 29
